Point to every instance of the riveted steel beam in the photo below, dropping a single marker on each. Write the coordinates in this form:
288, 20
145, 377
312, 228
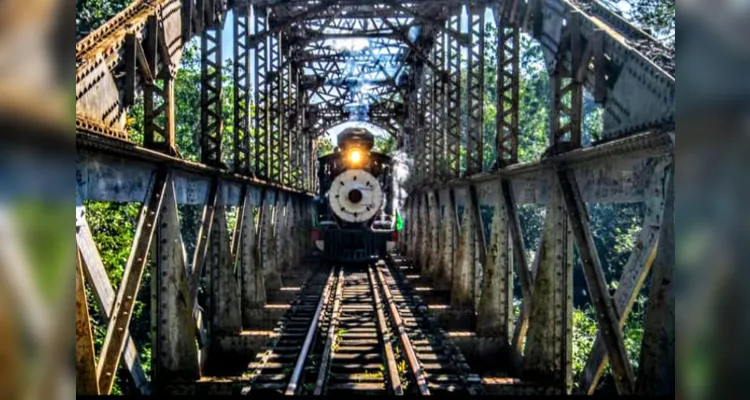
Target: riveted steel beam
122, 311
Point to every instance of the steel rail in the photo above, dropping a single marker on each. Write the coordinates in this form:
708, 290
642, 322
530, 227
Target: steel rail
325, 360
386, 337
294, 380
404, 338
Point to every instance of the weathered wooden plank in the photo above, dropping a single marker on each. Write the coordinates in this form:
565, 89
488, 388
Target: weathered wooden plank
176, 353
104, 295
548, 348
86, 382
596, 283
656, 375
634, 274
122, 311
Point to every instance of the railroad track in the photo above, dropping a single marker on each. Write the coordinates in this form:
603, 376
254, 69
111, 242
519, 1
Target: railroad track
355, 330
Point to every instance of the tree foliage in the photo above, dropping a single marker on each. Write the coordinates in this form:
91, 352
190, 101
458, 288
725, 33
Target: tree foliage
91, 14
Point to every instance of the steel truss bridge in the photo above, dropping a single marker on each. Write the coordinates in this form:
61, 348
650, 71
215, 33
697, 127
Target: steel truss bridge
422, 79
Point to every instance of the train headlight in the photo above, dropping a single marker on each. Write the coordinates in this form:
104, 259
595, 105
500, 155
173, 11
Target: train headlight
355, 156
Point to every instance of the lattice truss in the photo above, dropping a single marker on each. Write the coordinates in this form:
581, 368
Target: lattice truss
416, 69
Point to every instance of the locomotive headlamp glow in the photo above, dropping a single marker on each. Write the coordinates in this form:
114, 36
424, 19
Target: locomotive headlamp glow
355, 156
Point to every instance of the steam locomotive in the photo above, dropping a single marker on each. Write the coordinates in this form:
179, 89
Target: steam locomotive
357, 220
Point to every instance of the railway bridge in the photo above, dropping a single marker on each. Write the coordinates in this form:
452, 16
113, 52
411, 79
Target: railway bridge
248, 307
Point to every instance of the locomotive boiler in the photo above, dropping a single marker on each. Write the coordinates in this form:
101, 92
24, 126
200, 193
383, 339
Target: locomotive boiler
357, 217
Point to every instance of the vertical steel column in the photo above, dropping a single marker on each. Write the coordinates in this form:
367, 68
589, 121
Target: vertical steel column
439, 136
295, 119
475, 91
454, 97
566, 116
242, 89
261, 95
158, 94
274, 114
287, 125
428, 107
508, 87
411, 140
211, 85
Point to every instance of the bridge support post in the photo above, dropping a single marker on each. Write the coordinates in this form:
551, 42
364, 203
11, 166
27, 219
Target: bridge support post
444, 274
462, 285
656, 374
267, 243
412, 227
433, 214
225, 300
424, 235
252, 289
495, 311
86, 381
175, 354
634, 275
548, 347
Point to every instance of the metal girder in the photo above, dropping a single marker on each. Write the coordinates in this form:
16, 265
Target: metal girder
277, 27
454, 99
86, 380
475, 91
440, 108
242, 86
508, 87
262, 98
275, 92
596, 283
566, 116
211, 96
114, 342
159, 121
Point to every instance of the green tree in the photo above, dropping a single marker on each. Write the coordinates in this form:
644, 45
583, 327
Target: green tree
385, 144
91, 14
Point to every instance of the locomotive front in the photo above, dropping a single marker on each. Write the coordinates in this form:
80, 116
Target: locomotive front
356, 218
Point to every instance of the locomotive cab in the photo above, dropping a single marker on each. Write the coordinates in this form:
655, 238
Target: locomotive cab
356, 211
